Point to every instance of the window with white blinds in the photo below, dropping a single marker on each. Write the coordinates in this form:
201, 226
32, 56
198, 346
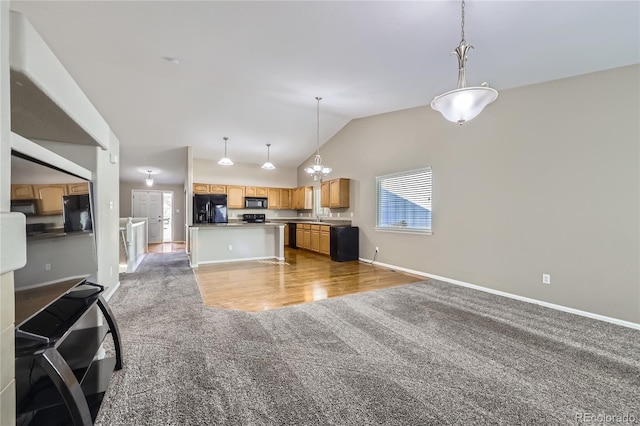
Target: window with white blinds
403, 201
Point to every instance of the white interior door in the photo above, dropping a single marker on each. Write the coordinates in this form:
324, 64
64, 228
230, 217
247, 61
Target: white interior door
149, 204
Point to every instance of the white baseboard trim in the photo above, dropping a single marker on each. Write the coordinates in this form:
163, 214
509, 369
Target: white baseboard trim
592, 315
110, 292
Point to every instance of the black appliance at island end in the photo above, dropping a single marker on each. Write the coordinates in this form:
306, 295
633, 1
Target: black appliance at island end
254, 218
345, 242
210, 208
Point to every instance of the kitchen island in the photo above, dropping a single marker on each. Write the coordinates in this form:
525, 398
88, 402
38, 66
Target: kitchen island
230, 242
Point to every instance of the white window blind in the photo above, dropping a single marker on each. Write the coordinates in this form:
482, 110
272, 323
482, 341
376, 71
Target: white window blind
403, 201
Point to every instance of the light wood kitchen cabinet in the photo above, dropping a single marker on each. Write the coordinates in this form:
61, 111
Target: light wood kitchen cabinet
306, 237
235, 197
200, 188
22, 192
274, 198
339, 193
286, 234
315, 238
299, 235
217, 189
285, 198
303, 198
324, 194
77, 188
49, 198
325, 239
255, 191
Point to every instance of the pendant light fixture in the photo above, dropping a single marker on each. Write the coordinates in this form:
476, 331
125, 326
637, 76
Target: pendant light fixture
268, 165
149, 179
226, 161
464, 103
317, 170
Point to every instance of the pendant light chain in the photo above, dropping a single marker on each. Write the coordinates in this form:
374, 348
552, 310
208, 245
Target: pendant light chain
318, 124
462, 24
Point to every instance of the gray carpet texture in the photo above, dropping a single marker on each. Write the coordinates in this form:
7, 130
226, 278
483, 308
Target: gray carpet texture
429, 353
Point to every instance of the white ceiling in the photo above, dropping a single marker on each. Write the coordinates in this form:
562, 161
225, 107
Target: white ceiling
251, 70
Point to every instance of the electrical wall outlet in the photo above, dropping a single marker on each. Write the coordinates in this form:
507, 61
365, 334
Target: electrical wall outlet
230, 247
47, 266
377, 249
546, 278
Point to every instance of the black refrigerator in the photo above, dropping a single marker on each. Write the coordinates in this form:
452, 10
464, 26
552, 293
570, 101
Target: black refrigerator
76, 213
344, 243
210, 208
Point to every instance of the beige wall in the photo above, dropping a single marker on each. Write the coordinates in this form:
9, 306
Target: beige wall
545, 180
179, 207
209, 171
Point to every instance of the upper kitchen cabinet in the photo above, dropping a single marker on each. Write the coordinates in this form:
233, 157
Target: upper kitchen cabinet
49, 198
339, 193
46, 103
302, 198
255, 191
273, 195
77, 188
285, 198
235, 197
22, 192
334, 193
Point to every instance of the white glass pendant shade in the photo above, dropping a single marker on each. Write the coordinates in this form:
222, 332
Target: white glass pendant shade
268, 166
464, 104
225, 161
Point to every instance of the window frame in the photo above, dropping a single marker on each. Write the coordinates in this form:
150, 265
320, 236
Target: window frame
398, 229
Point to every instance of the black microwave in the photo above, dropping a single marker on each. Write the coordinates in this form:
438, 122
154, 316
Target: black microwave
28, 207
256, 203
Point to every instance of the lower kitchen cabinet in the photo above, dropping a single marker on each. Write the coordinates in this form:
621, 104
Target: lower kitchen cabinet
325, 240
316, 238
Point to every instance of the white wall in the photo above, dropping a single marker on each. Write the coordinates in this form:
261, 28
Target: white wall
7, 369
545, 180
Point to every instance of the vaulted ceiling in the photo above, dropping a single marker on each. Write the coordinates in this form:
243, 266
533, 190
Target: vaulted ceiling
251, 70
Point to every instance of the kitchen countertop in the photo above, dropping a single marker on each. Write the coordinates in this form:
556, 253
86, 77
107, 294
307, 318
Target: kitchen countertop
235, 224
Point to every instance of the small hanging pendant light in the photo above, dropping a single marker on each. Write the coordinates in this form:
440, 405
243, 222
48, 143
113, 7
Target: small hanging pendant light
268, 165
149, 179
226, 161
464, 103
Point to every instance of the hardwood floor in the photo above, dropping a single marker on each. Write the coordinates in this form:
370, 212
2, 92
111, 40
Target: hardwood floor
303, 277
165, 247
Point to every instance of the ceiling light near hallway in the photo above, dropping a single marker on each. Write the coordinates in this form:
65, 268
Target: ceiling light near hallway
464, 103
317, 170
225, 161
149, 179
268, 165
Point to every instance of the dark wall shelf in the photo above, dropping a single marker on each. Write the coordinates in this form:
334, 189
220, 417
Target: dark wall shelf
59, 381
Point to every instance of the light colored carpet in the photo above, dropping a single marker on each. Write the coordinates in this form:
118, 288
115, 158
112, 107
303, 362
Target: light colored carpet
418, 354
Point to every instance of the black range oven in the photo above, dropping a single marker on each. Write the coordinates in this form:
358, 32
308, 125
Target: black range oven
253, 218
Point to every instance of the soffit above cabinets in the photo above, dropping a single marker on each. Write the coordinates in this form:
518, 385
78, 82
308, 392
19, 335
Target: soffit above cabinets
46, 103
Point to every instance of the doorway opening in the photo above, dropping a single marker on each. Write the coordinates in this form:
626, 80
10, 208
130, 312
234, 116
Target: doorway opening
157, 208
